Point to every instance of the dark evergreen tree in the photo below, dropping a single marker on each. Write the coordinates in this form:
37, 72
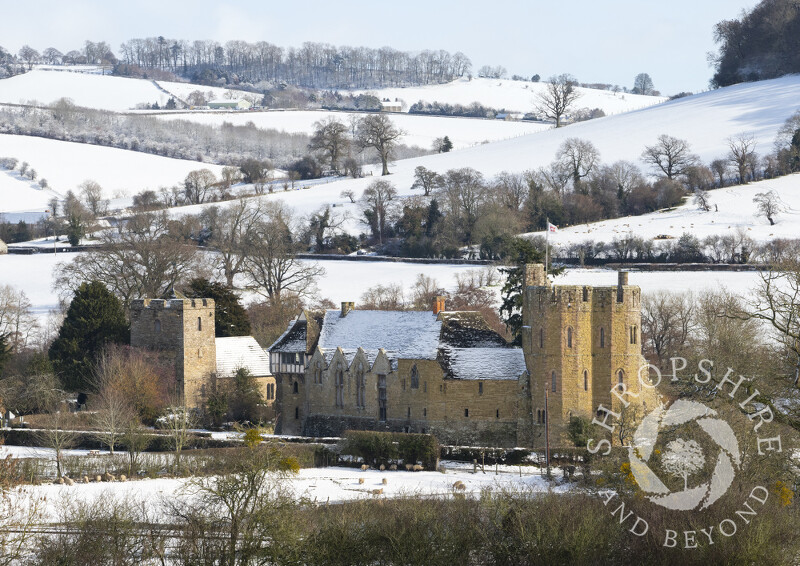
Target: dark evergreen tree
245, 401
95, 318
447, 145
171, 104
523, 251
230, 317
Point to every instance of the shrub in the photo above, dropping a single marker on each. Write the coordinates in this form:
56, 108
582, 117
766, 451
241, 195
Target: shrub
377, 448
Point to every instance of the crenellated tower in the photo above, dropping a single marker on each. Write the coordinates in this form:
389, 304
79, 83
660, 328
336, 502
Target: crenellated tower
579, 343
183, 328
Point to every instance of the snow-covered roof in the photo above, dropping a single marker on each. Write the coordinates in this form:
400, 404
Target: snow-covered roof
402, 334
241, 352
484, 363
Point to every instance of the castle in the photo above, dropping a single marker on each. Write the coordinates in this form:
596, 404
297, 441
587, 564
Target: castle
449, 374
181, 332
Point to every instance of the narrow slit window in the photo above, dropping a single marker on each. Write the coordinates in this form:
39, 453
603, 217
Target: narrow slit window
553, 381
602, 337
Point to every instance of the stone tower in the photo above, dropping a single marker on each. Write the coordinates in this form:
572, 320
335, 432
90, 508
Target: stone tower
183, 329
579, 343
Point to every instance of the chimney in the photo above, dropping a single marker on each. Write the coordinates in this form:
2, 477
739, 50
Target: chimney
347, 307
622, 280
438, 305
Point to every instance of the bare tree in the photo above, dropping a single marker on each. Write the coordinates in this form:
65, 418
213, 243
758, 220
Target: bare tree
667, 324
741, 152
720, 169
559, 94
643, 84
769, 204
178, 421
348, 194
579, 157
702, 199
377, 131
53, 435
136, 438
776, 301
463, 192
671, 156
377, 203
230, 176
271, 262
331, 138
17, 322
232, 229
426, 179
92, 194
197, 185
113, 408
29, 55
143, 257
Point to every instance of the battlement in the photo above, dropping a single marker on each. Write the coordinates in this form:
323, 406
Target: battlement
171, 304
582, 297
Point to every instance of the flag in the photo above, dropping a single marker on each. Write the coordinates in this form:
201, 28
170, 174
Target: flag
552, 228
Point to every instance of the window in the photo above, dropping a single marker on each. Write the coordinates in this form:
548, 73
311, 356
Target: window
538, 416
602, 337
403, 384
621, 380
199, 323
295, 387
553, 381
585, 380
480, 388
414, 377
569, 337
425, 386
466, 413
541, 337
361, 387
339, 385
270, 391
382, 398
409, 413
318, 373
425, 412
297, 412
290, 357
497, 414
633, 334
586, 294
157, 326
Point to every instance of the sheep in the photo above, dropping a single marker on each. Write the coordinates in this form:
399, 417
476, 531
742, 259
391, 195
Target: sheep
69, 481
384, 481
364, 468
393, 467
418, 468
409, 467
383, 468
360, 480
377, 491
123, 477
459, 486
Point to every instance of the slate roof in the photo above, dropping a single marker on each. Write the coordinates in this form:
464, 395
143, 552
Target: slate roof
241, 352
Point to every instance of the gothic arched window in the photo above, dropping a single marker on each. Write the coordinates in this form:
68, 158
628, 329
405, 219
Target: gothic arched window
414, 377
586, 380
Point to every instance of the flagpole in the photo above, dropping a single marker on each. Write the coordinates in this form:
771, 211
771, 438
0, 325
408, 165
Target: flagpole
546, 246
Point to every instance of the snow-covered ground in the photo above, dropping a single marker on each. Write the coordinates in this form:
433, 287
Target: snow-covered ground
66, 165
515, 96
347, 280
420, 130
18, 194
319, 485
43, 87
732, 211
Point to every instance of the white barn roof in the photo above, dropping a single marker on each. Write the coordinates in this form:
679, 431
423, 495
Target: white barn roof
241, 352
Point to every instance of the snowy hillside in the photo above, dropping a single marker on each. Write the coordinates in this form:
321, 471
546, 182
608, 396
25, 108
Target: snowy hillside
732, 209
89, 90
19, 194
65, 165
706, 120
420, 130
514, 96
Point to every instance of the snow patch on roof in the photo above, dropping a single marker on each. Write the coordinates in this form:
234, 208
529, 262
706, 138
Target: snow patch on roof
241, 352
485, 363
406, 335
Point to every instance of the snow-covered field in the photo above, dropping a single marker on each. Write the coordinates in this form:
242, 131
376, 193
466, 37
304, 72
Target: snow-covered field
347, 281
89, 90
18, 194
515, 96
420, 130
318, 485
732, 211
66, 165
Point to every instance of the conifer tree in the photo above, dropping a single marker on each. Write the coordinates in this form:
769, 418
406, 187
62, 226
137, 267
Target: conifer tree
230, 317
95, 318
